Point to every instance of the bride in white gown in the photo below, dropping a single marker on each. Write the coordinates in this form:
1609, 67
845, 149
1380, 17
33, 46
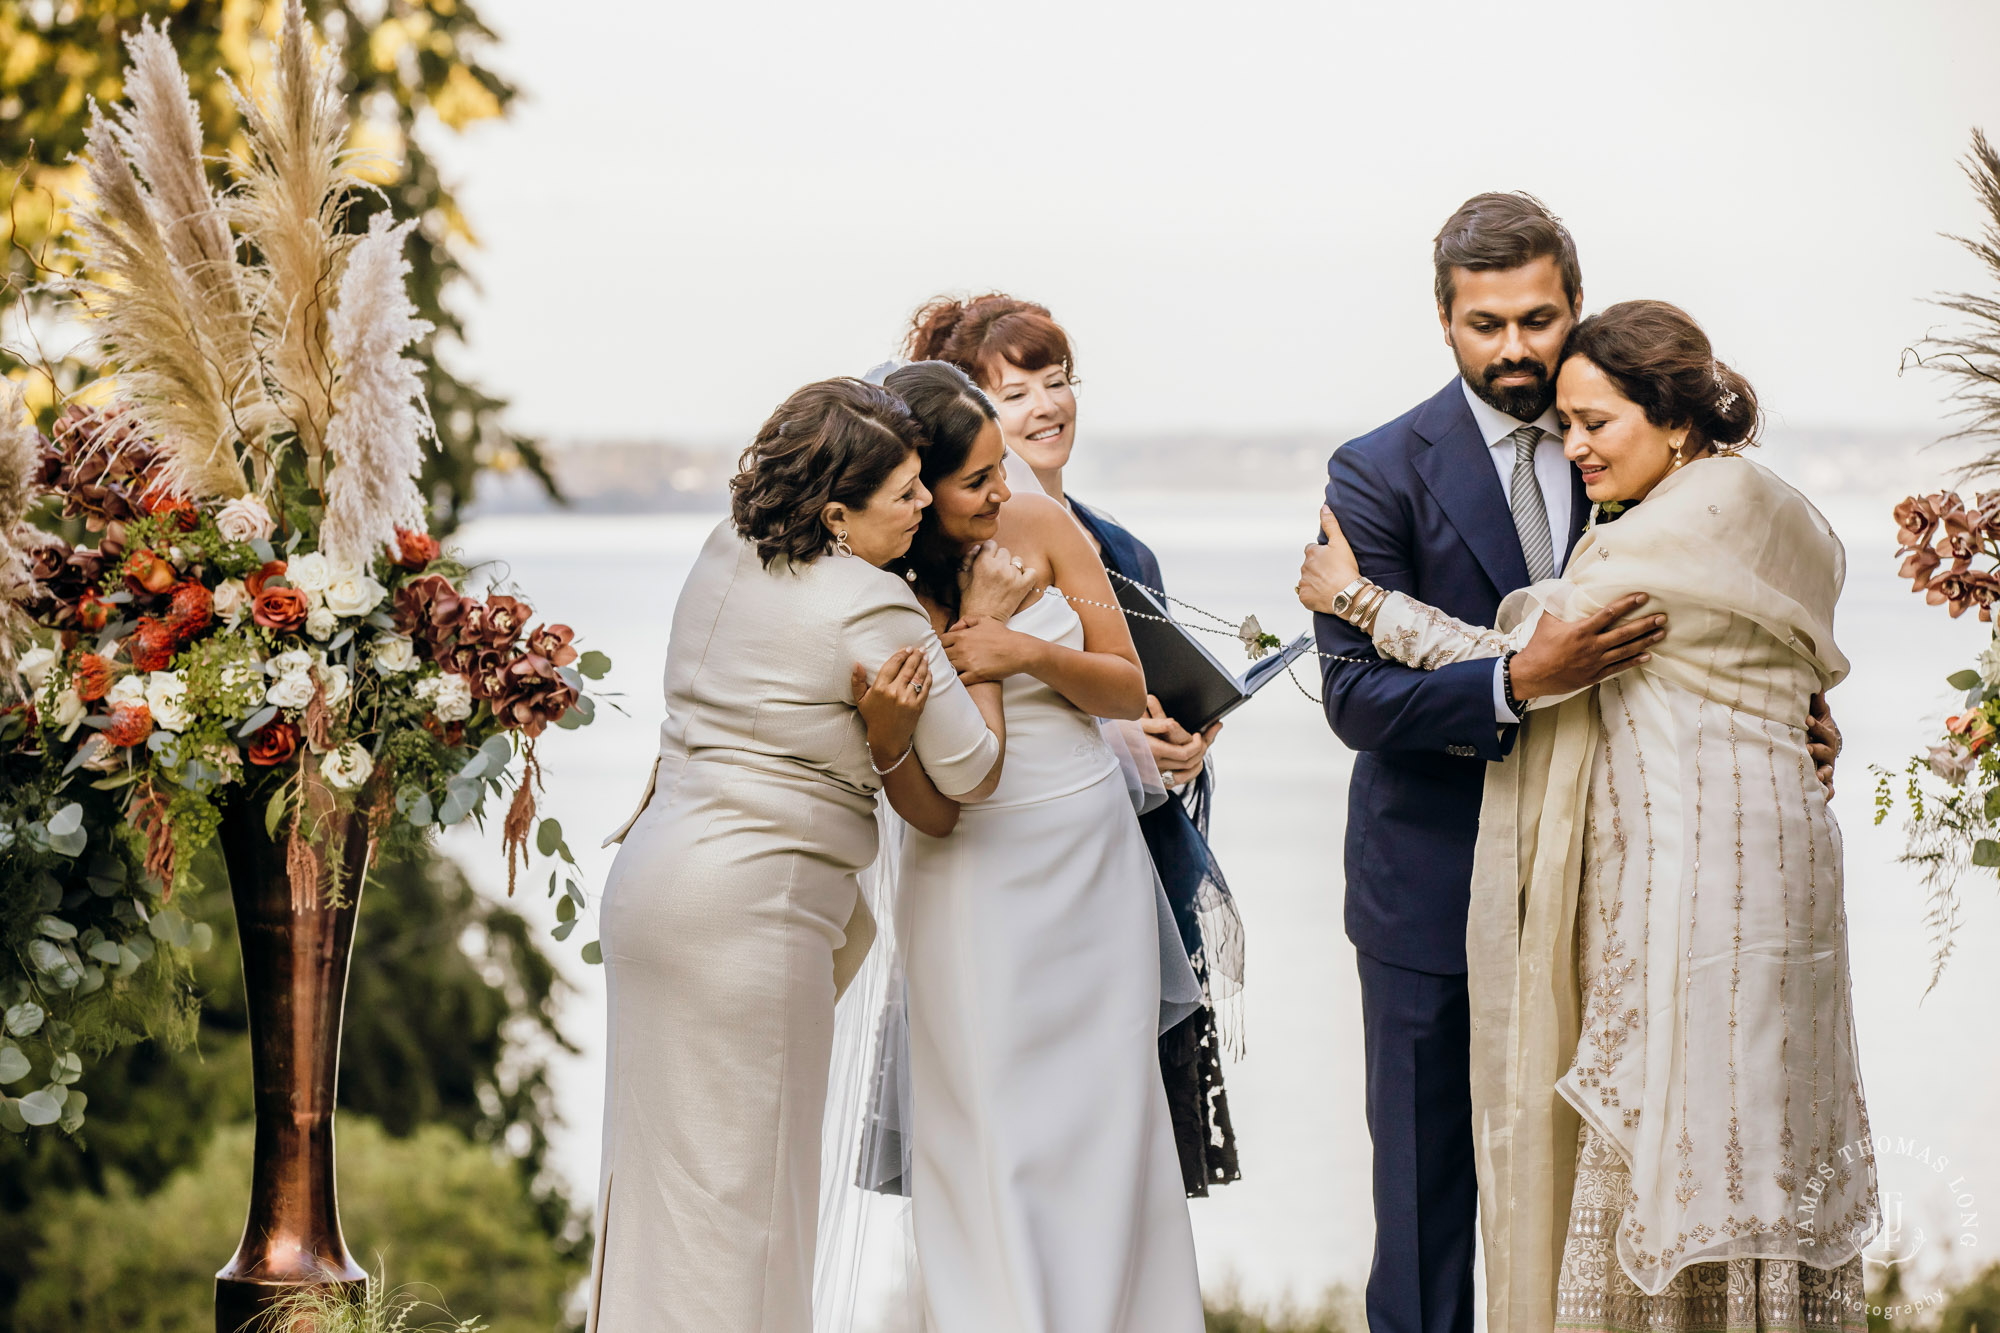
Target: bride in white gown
1045, 1187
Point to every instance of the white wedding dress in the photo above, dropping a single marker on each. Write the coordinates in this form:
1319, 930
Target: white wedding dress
1046, 1193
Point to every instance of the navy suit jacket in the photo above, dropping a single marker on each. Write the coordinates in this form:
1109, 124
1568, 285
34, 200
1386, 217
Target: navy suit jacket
1422, 506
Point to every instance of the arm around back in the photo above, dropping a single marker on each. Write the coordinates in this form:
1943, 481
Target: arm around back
959, 739
1373, 704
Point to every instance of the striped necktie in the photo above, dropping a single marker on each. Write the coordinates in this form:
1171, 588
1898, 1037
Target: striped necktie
1531, 512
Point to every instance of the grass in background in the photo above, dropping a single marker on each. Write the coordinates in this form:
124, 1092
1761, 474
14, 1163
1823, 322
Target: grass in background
1340, 1310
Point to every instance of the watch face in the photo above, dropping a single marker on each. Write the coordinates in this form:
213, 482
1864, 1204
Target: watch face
1341, 601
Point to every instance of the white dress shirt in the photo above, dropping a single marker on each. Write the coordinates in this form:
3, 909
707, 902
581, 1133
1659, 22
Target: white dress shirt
1552, 472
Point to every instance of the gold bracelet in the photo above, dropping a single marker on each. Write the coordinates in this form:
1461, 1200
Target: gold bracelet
1371, 606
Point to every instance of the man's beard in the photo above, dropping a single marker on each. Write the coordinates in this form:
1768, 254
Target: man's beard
1523, 402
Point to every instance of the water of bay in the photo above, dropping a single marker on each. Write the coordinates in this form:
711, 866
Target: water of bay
1299, 1221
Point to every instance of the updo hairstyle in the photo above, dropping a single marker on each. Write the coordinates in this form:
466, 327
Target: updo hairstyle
1660, 359
832, 441
952, 411
978, 334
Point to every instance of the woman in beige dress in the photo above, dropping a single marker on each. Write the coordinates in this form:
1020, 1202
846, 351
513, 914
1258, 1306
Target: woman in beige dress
1671, 1133
800, 680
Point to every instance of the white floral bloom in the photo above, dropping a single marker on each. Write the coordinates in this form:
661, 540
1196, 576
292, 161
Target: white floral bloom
225, 757
289, 663
35, 665
340, 569
128, 690
1989, 663
347, 767
245, 519
320, 623
452, 699
294, 689
395, 654
1951, 761
232, 601
355, 596
102, 758
166, 698
68, 711
334, 681
308, 573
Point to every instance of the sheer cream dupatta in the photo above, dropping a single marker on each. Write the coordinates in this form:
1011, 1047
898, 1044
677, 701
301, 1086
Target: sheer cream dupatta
1726, 550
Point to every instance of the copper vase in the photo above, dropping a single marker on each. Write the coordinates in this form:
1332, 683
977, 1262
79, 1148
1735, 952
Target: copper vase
295, 956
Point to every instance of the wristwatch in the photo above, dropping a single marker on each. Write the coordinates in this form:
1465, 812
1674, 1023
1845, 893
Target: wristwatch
1343, 601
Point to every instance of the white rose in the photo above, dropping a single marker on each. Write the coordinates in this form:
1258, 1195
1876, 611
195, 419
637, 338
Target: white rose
232, 600
68, 711
320, 623
347, 767
395, 654
342, 568
309, 572
35, 665
333, 680
294, 689
128, 690
355, 596
245, 520
166, 697
1989, 664
289, 663
452, 701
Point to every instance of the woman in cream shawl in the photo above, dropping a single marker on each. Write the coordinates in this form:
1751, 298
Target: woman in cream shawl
1668, 1111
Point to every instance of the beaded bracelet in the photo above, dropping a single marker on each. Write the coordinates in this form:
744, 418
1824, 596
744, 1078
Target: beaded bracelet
885, 772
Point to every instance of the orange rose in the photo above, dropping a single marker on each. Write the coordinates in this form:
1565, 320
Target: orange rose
276, 743
93, 612
255, 582
144, 570
281, 609
415, 549
131, 723
1971, 728
92, 677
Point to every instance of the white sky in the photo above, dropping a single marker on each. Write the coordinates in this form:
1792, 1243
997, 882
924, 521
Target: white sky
703, 206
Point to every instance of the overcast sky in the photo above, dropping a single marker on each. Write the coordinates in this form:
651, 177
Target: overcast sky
699, 207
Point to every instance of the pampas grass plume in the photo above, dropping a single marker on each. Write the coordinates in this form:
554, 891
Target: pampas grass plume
380, 419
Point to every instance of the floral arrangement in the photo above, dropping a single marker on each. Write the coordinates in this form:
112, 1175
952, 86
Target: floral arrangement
246, 606
1953, 788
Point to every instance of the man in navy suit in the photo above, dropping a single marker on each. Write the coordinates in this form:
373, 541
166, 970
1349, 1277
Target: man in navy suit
1457, 502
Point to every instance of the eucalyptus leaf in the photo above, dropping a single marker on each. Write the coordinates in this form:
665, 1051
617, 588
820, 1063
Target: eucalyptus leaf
1963, 680
458, 803
72, 1116
55, 928
571, 677
72, 843
476, 767
340, 641
562, 931
548, 837
257, 721
170, 927
123, 597
274, 811
383, 621
1986, 852
142, 946
10, 1116
262, 547
201, 937
43, 1107
114, 782
594, 664
67, 1069
565, 908
89, 980
60, 1035
105, 951
1993, 803
68, 819
421, 813
47, 959
24, 1019
128, 960
499, 750
593, 953
575, 891
14, 1063
293, 544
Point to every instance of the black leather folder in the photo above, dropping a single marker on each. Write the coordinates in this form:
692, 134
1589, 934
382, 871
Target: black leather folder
1193, 686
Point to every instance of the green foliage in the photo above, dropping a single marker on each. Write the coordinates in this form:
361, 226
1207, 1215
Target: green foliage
433, 1205
412, 68
1338, 1311
384, 1309
1974, 1307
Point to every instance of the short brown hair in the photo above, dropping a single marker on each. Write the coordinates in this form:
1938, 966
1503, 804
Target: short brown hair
976, 333
1660, 359
1503, 230
832, 441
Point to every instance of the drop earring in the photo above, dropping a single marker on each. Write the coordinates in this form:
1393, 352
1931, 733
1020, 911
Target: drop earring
840, 546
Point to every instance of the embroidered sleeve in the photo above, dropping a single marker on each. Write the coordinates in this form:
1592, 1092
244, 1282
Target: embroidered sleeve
1421, 636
